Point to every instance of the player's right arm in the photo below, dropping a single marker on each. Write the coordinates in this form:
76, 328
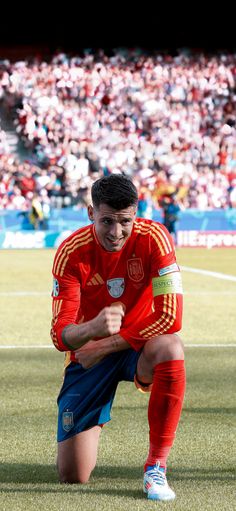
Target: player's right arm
66, 333
106, 323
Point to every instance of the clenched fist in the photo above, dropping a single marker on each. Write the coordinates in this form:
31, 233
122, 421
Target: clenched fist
108, 321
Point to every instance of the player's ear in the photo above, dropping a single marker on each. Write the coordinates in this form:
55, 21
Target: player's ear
90, 213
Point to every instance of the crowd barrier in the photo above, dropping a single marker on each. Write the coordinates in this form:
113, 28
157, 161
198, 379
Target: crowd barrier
214, 228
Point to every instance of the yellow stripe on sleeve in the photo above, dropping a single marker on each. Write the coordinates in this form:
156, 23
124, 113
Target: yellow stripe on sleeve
66, 256
157, 233
165, 321
70, 243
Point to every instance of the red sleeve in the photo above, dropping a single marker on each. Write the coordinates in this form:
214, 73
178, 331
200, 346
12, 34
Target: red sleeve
65, 305
166, 317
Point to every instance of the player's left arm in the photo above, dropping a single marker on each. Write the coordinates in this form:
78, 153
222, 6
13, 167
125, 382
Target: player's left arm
95, 350
167, 298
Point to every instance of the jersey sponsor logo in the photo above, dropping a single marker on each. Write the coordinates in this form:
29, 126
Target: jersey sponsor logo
116, 287
135, 269
168, 269
167, 284
55, 289
67, 421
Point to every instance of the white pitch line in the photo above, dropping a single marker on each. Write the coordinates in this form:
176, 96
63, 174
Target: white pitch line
209, 293
24, 293
44, 293
210, 345
46, 346
197, 293
214, 274
22, 347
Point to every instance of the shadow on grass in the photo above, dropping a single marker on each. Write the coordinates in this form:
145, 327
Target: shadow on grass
35, 478
178, 474
27, 473
18, 473
223, 410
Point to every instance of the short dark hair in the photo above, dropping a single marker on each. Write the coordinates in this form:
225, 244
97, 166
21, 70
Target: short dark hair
115, 190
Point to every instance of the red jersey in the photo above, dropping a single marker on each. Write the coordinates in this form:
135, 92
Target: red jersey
143, 276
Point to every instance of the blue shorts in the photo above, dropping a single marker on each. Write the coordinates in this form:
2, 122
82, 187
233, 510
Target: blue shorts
86, 396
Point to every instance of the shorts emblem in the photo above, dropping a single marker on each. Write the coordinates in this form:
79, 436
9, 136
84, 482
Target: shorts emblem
67, 421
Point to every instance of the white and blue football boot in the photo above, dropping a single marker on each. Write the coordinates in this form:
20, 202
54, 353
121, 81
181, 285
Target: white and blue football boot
155, 484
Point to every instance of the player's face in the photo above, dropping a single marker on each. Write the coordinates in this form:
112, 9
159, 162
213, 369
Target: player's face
112, 227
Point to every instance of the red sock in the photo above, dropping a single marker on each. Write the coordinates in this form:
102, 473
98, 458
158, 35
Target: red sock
164, 409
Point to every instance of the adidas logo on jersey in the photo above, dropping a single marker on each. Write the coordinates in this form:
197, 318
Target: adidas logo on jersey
95, 280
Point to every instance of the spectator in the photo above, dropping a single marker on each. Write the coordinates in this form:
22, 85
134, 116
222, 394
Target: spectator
36, 215
171, 211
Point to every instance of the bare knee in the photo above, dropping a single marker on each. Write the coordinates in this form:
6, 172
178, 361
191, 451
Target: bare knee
73, 477
77, 456
163, 348
73, 473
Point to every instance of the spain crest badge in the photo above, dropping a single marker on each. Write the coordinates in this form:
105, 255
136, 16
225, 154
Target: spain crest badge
135, 269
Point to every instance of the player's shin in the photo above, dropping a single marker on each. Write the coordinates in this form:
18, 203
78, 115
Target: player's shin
164, 410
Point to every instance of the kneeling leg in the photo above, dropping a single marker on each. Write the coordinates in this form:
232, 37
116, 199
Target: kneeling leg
77, 456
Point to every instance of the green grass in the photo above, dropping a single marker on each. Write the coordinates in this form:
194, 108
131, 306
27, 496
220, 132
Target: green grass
202, 461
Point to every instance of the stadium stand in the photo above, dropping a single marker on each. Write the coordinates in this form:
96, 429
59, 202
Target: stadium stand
167, 121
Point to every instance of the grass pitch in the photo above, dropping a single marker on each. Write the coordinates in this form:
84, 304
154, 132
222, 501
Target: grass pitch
202, 462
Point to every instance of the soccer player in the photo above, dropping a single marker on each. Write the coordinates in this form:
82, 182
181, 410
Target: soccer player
117, 305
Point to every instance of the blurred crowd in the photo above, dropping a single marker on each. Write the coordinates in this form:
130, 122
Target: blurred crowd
167, 121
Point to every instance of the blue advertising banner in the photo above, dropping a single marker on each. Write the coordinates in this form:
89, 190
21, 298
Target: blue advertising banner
51, 239
194, 228
72, 219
